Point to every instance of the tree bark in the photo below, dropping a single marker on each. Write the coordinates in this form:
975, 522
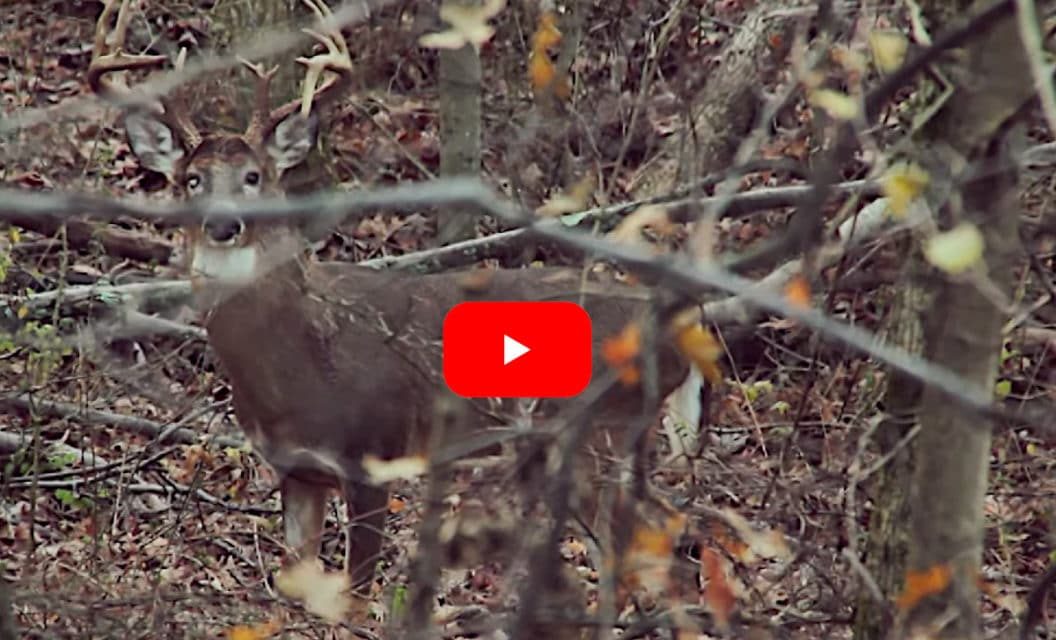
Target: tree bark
963, 330
725, 110
888, 536
460, 90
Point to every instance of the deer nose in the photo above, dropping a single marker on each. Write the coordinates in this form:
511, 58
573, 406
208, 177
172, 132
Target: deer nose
223, 229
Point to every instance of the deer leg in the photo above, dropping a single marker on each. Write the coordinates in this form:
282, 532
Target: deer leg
303, 516
366, 522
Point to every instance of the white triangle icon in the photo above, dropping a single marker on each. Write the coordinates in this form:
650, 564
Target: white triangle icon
511, 349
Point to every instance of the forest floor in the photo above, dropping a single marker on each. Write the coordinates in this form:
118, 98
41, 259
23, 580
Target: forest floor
179, 538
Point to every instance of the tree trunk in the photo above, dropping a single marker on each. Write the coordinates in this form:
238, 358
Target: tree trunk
963, 330
888, 537
459, 132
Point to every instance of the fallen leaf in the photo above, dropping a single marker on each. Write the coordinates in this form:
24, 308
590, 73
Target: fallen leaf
255, 632
957, 250
575, 199
888, 48
323, 593
702, 349
921, 584
622, 348
383, 471
718, 596
469, 25
768, 544
629, 230
902, 184
797, 291
838, 105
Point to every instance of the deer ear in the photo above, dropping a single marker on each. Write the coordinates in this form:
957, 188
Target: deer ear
154, 143
292, 138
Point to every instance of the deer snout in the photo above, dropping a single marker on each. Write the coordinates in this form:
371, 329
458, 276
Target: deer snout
223, 230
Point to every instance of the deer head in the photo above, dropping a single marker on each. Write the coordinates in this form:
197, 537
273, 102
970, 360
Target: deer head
224, 166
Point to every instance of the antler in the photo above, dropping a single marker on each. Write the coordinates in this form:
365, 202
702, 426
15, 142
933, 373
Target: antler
112, 59
336, 61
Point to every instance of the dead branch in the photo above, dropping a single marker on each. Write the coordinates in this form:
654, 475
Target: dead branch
142, 426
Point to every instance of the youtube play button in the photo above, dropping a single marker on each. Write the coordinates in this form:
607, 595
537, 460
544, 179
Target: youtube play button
517, 349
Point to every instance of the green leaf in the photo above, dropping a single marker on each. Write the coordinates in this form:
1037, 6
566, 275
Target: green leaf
573, 219
1003, 388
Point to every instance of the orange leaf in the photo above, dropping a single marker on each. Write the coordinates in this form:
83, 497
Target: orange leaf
797, 291
621, 349
547, 35
733, 546
397, 505
541, 71
921, 584
629, 375
255, 632
718, 595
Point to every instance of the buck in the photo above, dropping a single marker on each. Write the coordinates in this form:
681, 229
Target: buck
327, 362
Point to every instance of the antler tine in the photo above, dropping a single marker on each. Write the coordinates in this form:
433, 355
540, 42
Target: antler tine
260, 119
176, 109
113, 59
336, 60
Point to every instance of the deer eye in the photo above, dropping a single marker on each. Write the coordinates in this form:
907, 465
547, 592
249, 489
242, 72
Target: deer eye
193, 182
252, 178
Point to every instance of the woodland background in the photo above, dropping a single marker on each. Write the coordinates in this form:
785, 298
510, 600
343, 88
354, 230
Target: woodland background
879, 165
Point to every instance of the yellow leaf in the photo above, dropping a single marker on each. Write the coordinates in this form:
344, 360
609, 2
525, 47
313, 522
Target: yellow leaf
703, 350
469, 25
383, 471
903, 184
14, 234
889, 49
323, 593
575, 199
921, 584
23, 311
837, 104
629, 230
957, 250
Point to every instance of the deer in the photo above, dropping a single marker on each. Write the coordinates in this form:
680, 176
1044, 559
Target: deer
327, 361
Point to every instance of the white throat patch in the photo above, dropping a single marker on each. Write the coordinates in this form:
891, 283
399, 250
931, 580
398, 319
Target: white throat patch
237, 266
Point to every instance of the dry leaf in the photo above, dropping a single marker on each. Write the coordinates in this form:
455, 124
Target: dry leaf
957, 250
630, 228
797, 291
902, 184
921, 584
323, 594
469, 25
703, 350
397, 505
718, 595
649, 556
383, 471
621, 349
839, 106
255, 632
889, 49
575, 199
768, 544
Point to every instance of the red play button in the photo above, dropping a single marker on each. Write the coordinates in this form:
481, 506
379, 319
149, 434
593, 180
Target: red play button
517, 349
